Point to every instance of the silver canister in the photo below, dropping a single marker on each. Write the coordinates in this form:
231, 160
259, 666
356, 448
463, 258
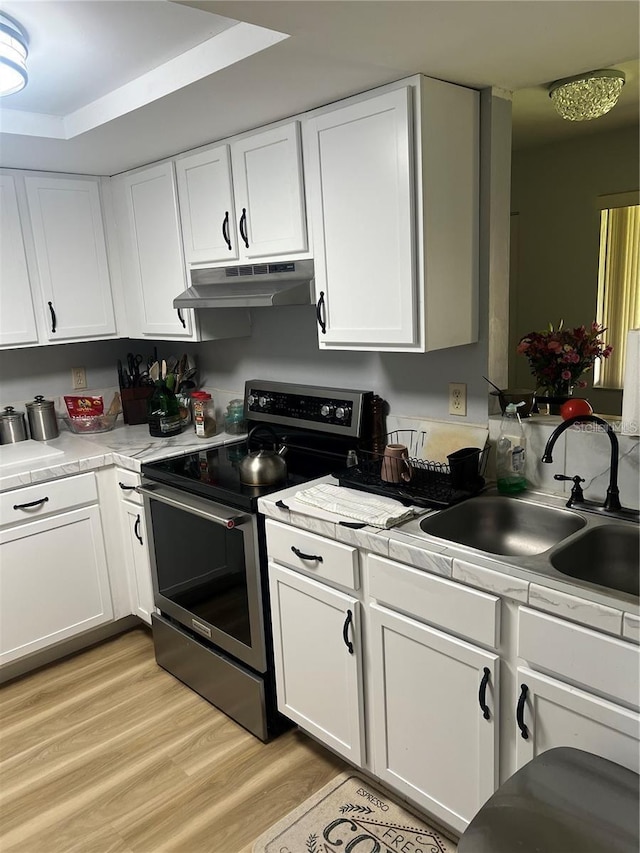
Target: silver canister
43, 423
13, 426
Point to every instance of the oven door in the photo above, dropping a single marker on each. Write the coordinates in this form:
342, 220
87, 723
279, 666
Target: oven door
206, 570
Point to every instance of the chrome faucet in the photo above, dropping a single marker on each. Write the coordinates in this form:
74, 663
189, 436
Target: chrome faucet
612, 500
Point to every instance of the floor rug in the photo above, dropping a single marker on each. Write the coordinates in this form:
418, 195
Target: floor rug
351, 814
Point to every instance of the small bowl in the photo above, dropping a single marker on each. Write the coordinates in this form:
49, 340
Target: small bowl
91, 424
516, 395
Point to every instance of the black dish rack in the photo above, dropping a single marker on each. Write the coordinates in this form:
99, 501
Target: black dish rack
431, 483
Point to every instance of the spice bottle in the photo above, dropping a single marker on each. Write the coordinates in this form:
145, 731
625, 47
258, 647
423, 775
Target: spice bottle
204, 416
163, 412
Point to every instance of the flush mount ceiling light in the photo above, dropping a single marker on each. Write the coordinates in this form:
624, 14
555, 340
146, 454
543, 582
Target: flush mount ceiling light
13, 56
587, 96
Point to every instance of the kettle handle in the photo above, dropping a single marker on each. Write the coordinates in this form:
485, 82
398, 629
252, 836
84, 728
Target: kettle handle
265, 428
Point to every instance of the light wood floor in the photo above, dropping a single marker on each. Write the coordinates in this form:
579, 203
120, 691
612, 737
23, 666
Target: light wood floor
107, 753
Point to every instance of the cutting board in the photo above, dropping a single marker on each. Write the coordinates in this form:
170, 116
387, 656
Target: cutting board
435, 440
23, 452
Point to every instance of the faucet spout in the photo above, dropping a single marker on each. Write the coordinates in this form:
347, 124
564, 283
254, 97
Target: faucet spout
612, 500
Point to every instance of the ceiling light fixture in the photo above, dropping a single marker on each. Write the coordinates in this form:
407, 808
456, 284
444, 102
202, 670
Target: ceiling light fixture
587, 96
13, 56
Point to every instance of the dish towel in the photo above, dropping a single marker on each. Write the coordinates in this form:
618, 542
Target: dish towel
378, 512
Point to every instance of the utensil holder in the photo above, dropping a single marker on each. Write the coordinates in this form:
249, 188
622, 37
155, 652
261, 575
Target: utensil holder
134, 404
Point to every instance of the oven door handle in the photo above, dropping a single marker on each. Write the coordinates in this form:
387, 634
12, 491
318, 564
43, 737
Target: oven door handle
197, 507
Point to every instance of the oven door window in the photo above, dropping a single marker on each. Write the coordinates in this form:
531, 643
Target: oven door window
201, 566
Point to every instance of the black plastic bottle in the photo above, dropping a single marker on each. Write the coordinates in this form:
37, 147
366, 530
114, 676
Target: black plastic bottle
163, 412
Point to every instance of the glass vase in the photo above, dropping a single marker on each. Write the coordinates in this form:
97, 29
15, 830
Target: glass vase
553, 398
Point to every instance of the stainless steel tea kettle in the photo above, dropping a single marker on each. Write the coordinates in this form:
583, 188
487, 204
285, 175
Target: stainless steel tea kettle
263, 467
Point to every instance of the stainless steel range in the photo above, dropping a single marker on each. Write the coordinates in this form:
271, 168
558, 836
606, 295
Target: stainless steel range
208, 552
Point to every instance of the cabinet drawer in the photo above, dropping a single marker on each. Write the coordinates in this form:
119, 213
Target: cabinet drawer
47, 498
127, 482
322, 558
432, 599
585, 657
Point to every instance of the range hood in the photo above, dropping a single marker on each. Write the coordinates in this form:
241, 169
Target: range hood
249, 286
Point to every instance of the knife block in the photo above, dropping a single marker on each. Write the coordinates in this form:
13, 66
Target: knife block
134, 404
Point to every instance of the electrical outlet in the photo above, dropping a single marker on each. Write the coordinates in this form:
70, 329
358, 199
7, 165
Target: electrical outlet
458, 398
78, 378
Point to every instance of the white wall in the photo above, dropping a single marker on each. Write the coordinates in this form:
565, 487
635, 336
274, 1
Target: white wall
283, 346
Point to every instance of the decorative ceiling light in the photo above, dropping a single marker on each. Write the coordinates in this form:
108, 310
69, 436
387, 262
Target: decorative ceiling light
13, 56
587, 96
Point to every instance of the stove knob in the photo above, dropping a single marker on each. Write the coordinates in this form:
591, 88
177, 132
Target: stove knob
251, 399
343, 412
263, 401
326, 410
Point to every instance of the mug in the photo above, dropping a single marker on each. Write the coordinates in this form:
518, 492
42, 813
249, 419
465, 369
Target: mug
395, 465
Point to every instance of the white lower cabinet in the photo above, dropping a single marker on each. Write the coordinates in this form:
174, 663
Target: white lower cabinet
435, 717
552, 714
54, 581
137, 557
318, 657
431, 652
136, 551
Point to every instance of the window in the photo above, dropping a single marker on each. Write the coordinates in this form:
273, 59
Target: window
618, 307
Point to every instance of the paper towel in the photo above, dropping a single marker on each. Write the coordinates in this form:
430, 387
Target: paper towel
631, 394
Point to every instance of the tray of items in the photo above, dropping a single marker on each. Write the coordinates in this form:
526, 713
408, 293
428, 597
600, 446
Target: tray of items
398, 471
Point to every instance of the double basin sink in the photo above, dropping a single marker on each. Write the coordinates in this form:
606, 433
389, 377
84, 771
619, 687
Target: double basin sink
544, 539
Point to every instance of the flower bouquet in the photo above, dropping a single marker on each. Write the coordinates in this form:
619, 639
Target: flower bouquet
558, 358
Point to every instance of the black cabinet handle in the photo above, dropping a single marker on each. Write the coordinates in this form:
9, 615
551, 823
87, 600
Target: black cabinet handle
321, 313
482, 693
126, 488
136, 530
524, 731
345, 631
313, 557
31, 504
181, 318
54, 320
243, 227
225, 229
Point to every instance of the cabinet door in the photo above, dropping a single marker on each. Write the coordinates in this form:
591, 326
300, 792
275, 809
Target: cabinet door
154, 263
206, 206
53, 581
318, 656
269, 192
360, 184
431, 740
556, 714
137, 556
71, 254
17, 317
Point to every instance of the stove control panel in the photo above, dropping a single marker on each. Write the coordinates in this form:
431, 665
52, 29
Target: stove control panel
325, 409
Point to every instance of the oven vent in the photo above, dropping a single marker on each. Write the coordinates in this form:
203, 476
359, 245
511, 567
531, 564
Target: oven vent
247, 285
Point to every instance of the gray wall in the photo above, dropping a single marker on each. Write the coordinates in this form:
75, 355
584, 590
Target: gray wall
555, 191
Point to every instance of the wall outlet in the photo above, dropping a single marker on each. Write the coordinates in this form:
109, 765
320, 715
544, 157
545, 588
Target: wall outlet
78, 378
458, 398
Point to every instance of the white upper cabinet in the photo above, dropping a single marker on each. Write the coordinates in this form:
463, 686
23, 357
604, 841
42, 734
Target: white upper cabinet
17, 315
152, 262
206, 206
71, 257
244, 200
392, 180
153, 252
361, 191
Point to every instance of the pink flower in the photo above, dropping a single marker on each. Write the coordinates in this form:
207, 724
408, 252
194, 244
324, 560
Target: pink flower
554, 346
566, 375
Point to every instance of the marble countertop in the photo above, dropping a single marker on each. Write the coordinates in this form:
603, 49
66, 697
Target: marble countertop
125, 446
605, 610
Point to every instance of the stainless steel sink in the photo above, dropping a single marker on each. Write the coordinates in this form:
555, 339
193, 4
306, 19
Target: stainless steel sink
608, 555
502, 525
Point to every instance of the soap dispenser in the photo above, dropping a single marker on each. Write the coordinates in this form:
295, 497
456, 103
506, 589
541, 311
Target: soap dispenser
511, 452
